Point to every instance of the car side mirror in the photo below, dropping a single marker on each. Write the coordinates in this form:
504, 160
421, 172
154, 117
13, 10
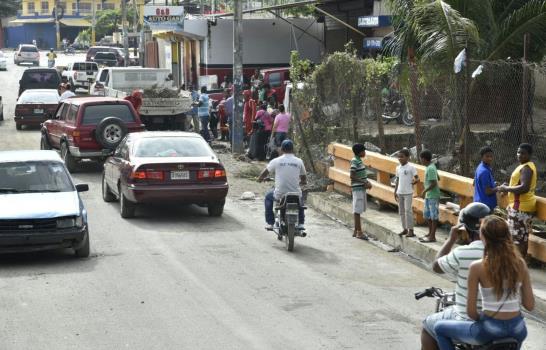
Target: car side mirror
82, 187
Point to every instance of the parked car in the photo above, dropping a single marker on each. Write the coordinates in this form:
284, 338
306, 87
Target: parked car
27, 54
41, 206
33, 106
1, 109
79, 74
39, 78
164, 166
107, 59
3, 61
97, 87
89, 128
277, 78
115, 50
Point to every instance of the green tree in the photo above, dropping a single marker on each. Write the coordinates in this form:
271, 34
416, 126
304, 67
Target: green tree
109, 21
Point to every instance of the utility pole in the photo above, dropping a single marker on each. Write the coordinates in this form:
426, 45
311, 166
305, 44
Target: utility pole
237, 138
93, 23
135, 27
57, 26
125, 34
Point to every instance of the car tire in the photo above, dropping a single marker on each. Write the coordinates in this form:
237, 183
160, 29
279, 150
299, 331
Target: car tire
44, 143
85, 249
72, 86
127, 208
18, 126
110, 131
216, 209
107, 195
69, 160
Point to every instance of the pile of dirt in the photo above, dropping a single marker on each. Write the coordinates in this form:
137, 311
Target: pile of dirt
160, 92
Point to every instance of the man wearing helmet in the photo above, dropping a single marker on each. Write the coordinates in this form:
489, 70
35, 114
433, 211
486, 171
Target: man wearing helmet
289, 175
456, 263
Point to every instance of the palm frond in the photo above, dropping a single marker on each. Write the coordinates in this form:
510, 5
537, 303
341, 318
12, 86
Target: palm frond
441, 31
530, 18
403, 37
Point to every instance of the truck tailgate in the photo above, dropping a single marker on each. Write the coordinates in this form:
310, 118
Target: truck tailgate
165, 106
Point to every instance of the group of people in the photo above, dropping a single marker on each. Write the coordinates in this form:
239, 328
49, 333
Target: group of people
492, 277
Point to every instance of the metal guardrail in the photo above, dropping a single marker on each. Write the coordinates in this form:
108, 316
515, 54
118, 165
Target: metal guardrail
382, 189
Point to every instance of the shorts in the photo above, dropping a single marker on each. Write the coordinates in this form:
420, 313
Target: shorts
520, 225
359, 201
447, 314
432, 208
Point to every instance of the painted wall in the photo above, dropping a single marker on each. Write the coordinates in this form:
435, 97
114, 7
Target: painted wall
44, 34
68, 6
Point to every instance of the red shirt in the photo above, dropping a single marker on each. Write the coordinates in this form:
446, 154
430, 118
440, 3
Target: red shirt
135, 101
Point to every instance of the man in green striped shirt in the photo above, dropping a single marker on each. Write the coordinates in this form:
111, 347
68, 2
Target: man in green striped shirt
456, 263
359, 185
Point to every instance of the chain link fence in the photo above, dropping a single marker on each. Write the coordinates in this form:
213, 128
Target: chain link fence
499, 104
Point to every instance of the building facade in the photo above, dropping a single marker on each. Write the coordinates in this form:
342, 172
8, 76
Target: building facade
36, 21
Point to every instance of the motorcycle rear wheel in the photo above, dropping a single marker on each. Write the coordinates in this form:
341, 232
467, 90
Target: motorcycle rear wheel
408, 119
289, 239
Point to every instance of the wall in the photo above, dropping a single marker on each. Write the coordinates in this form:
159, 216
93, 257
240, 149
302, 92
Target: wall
25, 34
265, 42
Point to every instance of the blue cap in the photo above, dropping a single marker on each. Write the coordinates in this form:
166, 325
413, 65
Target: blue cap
287, 145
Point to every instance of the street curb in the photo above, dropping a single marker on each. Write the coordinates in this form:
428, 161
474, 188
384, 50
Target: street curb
379, 229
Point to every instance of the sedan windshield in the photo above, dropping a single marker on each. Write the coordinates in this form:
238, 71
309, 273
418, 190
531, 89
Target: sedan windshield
31, 96
172, 147
30, 177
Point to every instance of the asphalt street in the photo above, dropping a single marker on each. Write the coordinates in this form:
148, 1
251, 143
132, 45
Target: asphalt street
174, 278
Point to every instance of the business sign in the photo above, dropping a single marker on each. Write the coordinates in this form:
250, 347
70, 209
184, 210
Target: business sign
373, 43
164, 17
374, 21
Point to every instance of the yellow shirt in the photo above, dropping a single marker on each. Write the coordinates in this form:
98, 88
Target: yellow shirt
525, 202
51, 56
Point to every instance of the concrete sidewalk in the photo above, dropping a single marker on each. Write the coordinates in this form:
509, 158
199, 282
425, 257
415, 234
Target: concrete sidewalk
384, 225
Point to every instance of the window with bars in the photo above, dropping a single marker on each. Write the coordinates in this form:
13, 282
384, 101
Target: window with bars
30, 8
44, 7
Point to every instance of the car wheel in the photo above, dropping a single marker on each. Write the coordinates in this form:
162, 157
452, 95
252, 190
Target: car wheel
84, 250
216, 209
107, 195
110, 131
127, 208
69, 160
44, 144
18, 126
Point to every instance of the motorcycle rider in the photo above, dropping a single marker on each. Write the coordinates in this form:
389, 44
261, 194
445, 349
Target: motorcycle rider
456, 263
289, 175
51, 56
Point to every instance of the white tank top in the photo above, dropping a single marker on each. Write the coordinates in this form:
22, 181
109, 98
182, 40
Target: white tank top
504, 304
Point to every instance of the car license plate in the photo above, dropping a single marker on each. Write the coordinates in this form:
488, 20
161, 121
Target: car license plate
38, 111
180, 175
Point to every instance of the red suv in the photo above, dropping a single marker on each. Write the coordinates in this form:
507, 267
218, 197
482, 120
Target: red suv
89, 128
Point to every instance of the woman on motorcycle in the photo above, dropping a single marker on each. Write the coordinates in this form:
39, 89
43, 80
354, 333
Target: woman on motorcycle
503, 280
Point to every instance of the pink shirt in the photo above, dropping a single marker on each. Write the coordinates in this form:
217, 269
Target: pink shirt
266, 118
282, 121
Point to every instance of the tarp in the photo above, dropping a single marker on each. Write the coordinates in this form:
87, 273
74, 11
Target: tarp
75, 22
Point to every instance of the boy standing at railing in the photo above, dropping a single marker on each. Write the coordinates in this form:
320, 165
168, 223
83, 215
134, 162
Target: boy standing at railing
406, 177
431, 193
359, 185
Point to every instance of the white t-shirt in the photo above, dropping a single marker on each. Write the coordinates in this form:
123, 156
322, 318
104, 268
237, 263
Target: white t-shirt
405, 174
287, 168
66, 95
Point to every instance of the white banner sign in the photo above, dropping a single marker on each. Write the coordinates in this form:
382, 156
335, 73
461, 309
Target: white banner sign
164, 17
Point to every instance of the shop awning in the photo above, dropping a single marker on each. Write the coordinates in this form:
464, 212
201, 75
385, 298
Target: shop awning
75, 22
176, 36
31, 21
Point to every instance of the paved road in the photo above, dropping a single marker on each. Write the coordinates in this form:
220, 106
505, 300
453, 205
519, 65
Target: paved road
173, 278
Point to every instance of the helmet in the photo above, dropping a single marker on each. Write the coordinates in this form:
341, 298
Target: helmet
471, 214
51, 49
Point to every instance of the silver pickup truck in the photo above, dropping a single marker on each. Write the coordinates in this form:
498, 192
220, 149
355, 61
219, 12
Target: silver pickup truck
155, 112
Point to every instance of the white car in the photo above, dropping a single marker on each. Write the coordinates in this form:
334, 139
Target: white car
27, 54
3, 61
97, 87
79, 74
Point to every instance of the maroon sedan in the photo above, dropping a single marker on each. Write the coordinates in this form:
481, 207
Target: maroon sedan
159, 167
34, 105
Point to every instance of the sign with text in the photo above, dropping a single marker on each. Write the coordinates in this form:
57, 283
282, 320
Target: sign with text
164, 17
373, 43
374, 21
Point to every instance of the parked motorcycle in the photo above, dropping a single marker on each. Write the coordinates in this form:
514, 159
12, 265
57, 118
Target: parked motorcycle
444, 300
286, 219
395, 108
69, 50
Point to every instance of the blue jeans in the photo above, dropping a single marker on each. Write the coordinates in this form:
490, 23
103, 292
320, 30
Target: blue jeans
205, 127
479, 332
270, 216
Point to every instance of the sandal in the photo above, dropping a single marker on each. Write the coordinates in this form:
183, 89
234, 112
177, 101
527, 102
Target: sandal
426, 239
403, 233
361, 235
410, 234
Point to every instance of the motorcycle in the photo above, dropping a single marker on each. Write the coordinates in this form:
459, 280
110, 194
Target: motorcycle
444, 300
69, 50
395, 108
286, 219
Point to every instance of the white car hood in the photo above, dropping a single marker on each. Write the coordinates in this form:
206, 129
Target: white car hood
39, 205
